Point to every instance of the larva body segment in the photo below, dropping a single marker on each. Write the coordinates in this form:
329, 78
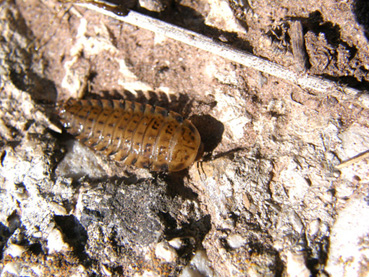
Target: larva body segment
133, 133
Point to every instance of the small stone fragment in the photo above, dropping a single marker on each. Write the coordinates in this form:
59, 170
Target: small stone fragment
154, 5
14, 250
165, 252
55, 242
296, 265
199, 266
176, 243
80, 161
349, 244
235, 241
12, 268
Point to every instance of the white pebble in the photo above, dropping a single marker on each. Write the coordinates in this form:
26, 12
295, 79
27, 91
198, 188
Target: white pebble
235, 241
14, 250
165, 252
199, 266
348, 252
55, 242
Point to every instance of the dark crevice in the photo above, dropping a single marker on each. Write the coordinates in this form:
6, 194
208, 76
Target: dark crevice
361, 10
74, 234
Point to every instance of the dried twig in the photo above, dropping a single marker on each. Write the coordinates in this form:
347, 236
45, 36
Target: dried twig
353, 160
297, 42
202, 42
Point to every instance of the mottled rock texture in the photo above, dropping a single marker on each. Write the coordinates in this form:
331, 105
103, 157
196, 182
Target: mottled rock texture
272, 195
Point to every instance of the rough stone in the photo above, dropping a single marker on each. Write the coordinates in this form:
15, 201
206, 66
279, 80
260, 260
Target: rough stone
284, 171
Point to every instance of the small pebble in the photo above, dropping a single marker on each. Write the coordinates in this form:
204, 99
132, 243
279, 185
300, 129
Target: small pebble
165, 252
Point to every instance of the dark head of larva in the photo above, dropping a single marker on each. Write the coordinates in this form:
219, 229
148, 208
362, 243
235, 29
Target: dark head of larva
134, 134
186, 146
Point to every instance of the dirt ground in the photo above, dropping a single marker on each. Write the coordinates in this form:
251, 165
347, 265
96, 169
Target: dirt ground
272, 192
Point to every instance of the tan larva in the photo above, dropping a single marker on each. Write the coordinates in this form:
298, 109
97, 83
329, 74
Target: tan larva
135, 134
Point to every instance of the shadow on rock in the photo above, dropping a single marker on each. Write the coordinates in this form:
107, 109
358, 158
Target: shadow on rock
75, 234
361, 10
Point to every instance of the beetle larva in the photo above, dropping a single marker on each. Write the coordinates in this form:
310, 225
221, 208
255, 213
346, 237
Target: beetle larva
136, 134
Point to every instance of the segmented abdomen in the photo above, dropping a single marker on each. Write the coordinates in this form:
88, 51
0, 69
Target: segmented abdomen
134, 133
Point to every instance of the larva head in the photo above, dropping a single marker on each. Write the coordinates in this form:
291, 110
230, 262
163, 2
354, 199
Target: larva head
186, 147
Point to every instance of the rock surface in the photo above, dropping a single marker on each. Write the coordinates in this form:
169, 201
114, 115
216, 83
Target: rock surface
281, 190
